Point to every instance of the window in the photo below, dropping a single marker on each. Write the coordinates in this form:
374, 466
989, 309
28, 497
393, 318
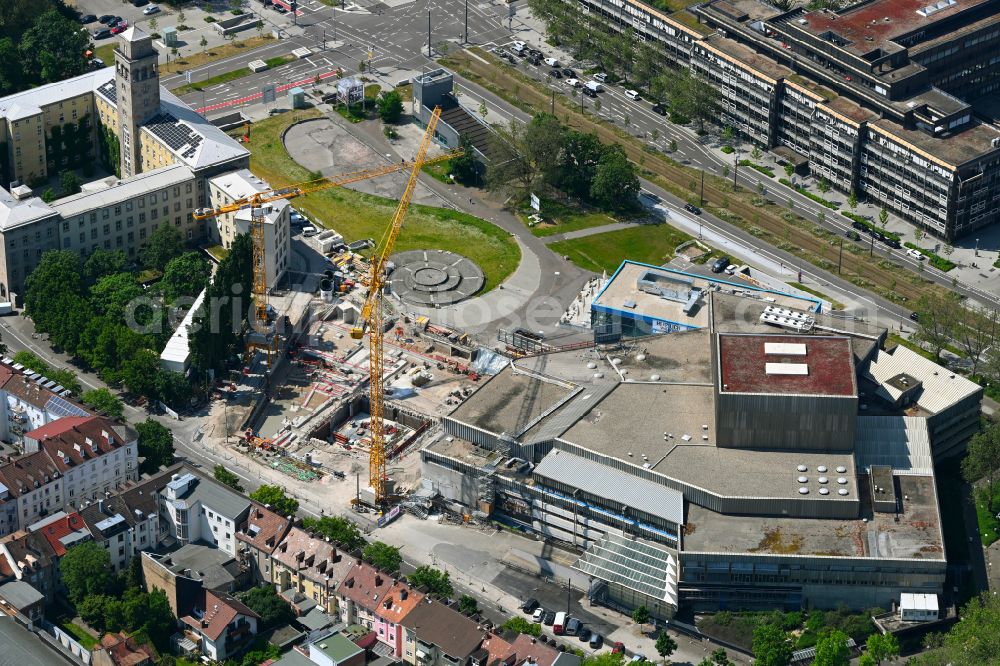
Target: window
105, 213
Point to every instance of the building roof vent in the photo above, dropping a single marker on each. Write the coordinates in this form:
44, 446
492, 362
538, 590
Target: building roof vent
803, 479
803, 491
842, 491
824, 491
842, 480
823, 479
803, 468
841, 469
821, 469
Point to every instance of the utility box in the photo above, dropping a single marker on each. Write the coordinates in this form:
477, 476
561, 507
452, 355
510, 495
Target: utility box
297, 98
170, 36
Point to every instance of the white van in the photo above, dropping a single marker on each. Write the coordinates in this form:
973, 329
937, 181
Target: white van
559, 625
309, 231
594, 85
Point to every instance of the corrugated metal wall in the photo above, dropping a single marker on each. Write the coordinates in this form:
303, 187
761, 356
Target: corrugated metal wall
818, 423
470, 433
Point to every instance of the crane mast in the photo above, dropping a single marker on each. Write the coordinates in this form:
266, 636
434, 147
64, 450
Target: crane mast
371, 315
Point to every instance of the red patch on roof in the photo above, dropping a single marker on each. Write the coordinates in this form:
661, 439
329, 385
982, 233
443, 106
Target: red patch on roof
829, 363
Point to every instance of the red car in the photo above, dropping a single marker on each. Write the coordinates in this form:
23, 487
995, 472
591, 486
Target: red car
619, 648
120, 28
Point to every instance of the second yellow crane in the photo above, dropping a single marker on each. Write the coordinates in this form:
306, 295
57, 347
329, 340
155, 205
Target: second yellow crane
371, 316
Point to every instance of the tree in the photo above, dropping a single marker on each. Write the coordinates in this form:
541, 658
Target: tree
771, 646
789, 169
976, 332
755, 154
982, 462
164, 244
86, 570
665, 644
525, 156
276, 499
150, 614
832, 650
615, 184
56, 276
112, 294
336, 529
728, 134
66, 378
687, 95
468, 605
824, 185
883, 217
483, 110
102, 263
522, 626
69, 183
577, 164
640, 615
93, 610
974, 640
185, 275
156, 445
52, 49
224, 476
390, 106
153, 23
436, 581
463, 167
937, 315
139, 374
105, 401
382, 556
273, 610
181, 18
203, 43
220, 320
882, 647
852, 200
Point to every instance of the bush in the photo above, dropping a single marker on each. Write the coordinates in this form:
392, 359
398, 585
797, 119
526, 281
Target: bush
763, 169
937, 261
806, 193
209, 19
854, 217
728, 150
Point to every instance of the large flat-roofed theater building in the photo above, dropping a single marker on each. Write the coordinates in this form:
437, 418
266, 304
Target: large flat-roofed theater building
167, 156
891, 99
737, 464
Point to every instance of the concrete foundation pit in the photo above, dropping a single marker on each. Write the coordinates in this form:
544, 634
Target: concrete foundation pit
434, 277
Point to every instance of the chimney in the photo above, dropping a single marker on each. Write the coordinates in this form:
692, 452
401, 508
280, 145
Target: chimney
403, 594
100, 505
378, 581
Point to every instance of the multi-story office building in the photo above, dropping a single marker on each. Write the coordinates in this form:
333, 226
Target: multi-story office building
165, 152
880, 97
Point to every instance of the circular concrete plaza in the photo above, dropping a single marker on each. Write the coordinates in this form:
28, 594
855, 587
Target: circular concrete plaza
434, 277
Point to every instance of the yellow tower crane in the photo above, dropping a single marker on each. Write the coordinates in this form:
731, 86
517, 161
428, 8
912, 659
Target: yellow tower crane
263, 336
371, 316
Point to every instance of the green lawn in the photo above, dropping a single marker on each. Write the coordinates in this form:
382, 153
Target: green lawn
357, 215
989, 526
559, 218
106, 52
79, 633
651, 244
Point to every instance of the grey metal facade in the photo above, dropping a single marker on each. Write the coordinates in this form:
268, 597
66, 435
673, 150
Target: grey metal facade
794, 422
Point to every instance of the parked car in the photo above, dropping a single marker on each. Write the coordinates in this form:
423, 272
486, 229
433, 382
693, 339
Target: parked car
573, 626
518, 45
120, 28
691, 208
97, 63
115, 21
589, 92
140, 3
594, 85
584, 634
660, 109
859, 226
601, 76
633, 95
636, 658
279, 9
853, 235
569, 72
530, 605
552, 62
914, 316
573, 83
893, 243
618, 648
720, 264
915, 254
538, 615
106, 19
87, 18
549, 618
103, 33
535, 53
596, 641
555, 73
535, 60
152, 9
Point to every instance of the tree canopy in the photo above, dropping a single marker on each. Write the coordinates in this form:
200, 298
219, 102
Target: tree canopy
336, 529
103, 262
164, 244
523, 626
273, 610
85, 571
972, 641
771, 646
832, 650
65, 378
390, 106
105, 401
49, 49
185, 276
276, 498
615, 184
436, 581
156, 444
220, 320
982, 462
383, 556
223, 475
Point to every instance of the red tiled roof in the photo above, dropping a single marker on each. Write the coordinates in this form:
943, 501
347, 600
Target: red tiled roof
220, 609
525, 647
61, 439
264, 529
124, 650
829, 362
61, 528
23, 473
397, 606
498, 650
365, 585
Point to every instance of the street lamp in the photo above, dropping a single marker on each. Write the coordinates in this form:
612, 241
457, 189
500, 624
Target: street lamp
977, 247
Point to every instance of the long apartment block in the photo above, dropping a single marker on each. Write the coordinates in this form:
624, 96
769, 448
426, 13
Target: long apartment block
894, 100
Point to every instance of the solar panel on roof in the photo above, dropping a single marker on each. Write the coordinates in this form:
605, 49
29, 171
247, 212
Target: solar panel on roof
60, 407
